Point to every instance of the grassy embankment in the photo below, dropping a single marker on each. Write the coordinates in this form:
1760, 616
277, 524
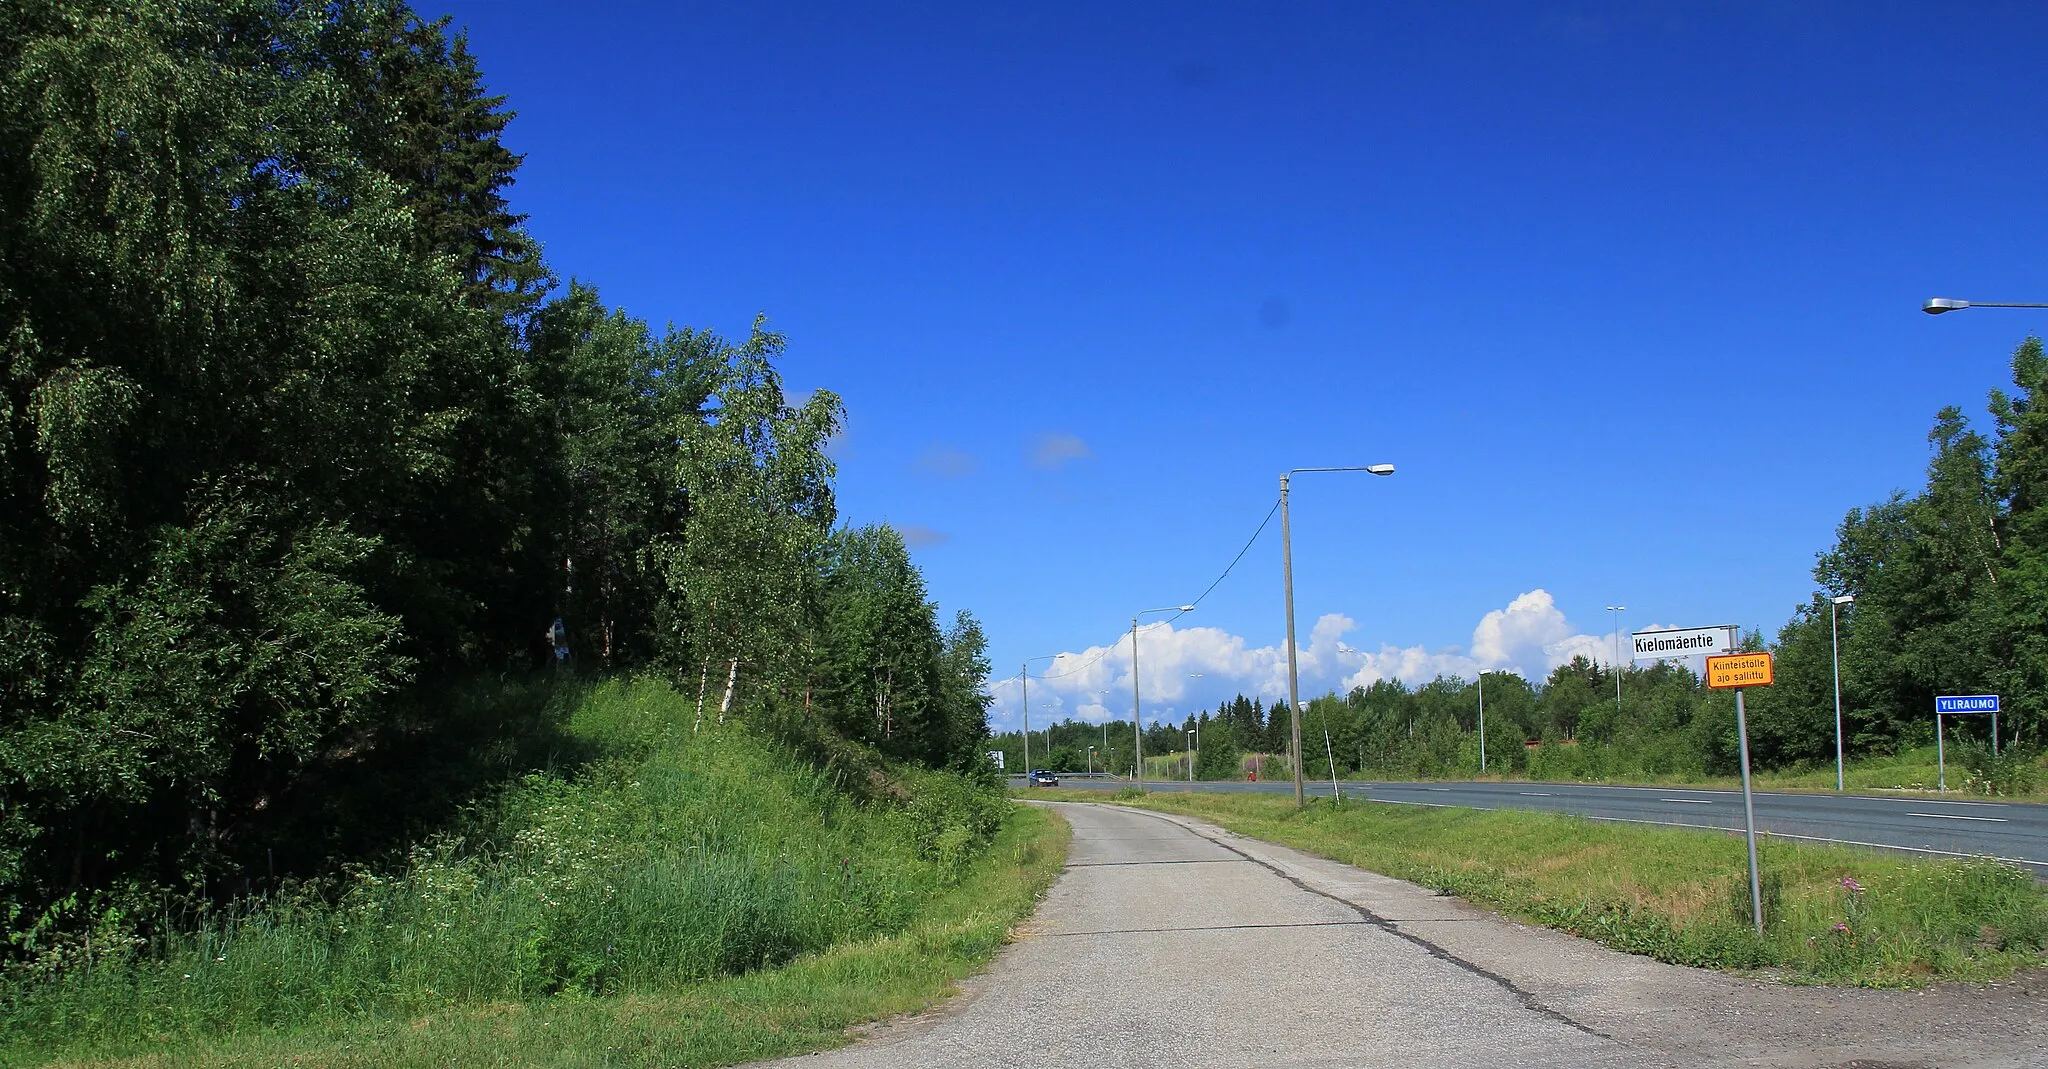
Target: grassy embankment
1675, 895
682, 899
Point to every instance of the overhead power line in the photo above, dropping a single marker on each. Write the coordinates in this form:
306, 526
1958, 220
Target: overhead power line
1232, 566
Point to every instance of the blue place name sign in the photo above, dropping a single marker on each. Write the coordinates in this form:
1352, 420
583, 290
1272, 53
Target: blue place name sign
1967, 703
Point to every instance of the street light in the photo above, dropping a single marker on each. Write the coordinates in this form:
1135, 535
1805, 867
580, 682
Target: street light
1191, 758
1482, 721
1835, 637
1287, 579
1138, 720
1024, 677
1617, 611
1934, 306
1198, 717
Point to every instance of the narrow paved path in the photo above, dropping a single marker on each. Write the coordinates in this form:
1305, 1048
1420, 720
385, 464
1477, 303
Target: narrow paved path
1173, 943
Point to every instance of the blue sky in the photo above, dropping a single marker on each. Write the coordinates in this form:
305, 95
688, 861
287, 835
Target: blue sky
1629, 293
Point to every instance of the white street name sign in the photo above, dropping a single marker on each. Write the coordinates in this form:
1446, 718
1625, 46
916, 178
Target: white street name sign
1673, 643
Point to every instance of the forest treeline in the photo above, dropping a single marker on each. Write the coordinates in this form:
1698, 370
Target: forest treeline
297, 426
1950, 589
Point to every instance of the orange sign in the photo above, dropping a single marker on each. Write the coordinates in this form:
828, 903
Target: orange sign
1739, 670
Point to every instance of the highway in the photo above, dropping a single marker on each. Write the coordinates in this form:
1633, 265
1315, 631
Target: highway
1948, 827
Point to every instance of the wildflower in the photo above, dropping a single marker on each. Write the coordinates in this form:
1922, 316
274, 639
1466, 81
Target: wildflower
1842, 928
1850, 885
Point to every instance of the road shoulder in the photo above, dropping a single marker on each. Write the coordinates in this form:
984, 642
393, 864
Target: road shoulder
1697, 1016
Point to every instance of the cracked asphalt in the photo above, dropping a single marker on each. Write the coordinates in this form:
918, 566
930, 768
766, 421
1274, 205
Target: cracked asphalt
1170, 942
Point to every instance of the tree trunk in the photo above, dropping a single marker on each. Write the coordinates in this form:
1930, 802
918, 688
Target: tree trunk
732, 673
703, 679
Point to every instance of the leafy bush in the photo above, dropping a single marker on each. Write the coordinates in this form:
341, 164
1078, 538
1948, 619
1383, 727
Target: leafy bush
2012, 770
952, 817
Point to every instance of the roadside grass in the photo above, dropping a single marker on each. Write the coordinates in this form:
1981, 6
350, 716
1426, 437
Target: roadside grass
1835, 915
670, 863
1912, 772
807, 1005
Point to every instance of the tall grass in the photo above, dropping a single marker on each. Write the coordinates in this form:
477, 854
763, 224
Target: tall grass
673, 858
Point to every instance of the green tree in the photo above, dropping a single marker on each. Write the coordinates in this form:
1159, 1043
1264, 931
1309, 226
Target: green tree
1510, 719
620, 396
419, 114
755, 489
1217, 755
1571, 689
260, 457
2021, 482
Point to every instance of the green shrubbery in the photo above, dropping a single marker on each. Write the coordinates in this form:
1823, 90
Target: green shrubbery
674, 857
2014, 769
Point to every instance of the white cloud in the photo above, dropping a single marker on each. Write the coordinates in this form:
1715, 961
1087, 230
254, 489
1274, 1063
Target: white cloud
1532, 630
1530, 636
946, 462
918, 536
1056, 450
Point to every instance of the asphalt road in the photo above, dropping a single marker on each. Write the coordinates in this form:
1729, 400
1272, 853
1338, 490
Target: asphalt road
1168, 942
2013, 831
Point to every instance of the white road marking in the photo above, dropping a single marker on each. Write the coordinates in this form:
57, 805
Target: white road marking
1958, 816
1445, 790
1536, 794
1689, 801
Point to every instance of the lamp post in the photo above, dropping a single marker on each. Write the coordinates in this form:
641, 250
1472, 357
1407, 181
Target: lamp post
1482, 721
1287, 580
1934, 306
1835, 639
1024, 677
1137, 719
1191, 758
1106, 755
1198, 727
1617, 611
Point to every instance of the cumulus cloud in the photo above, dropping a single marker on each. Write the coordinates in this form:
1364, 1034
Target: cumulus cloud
946, 462
1057, 450
1532, 630
1530, 636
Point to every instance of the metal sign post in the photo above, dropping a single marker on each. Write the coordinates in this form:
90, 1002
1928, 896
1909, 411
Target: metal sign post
1737, 672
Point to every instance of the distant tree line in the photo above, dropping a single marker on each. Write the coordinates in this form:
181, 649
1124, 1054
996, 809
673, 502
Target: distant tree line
294, 422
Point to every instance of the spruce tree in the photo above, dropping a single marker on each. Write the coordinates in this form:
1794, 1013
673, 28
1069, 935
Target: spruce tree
2022, 484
